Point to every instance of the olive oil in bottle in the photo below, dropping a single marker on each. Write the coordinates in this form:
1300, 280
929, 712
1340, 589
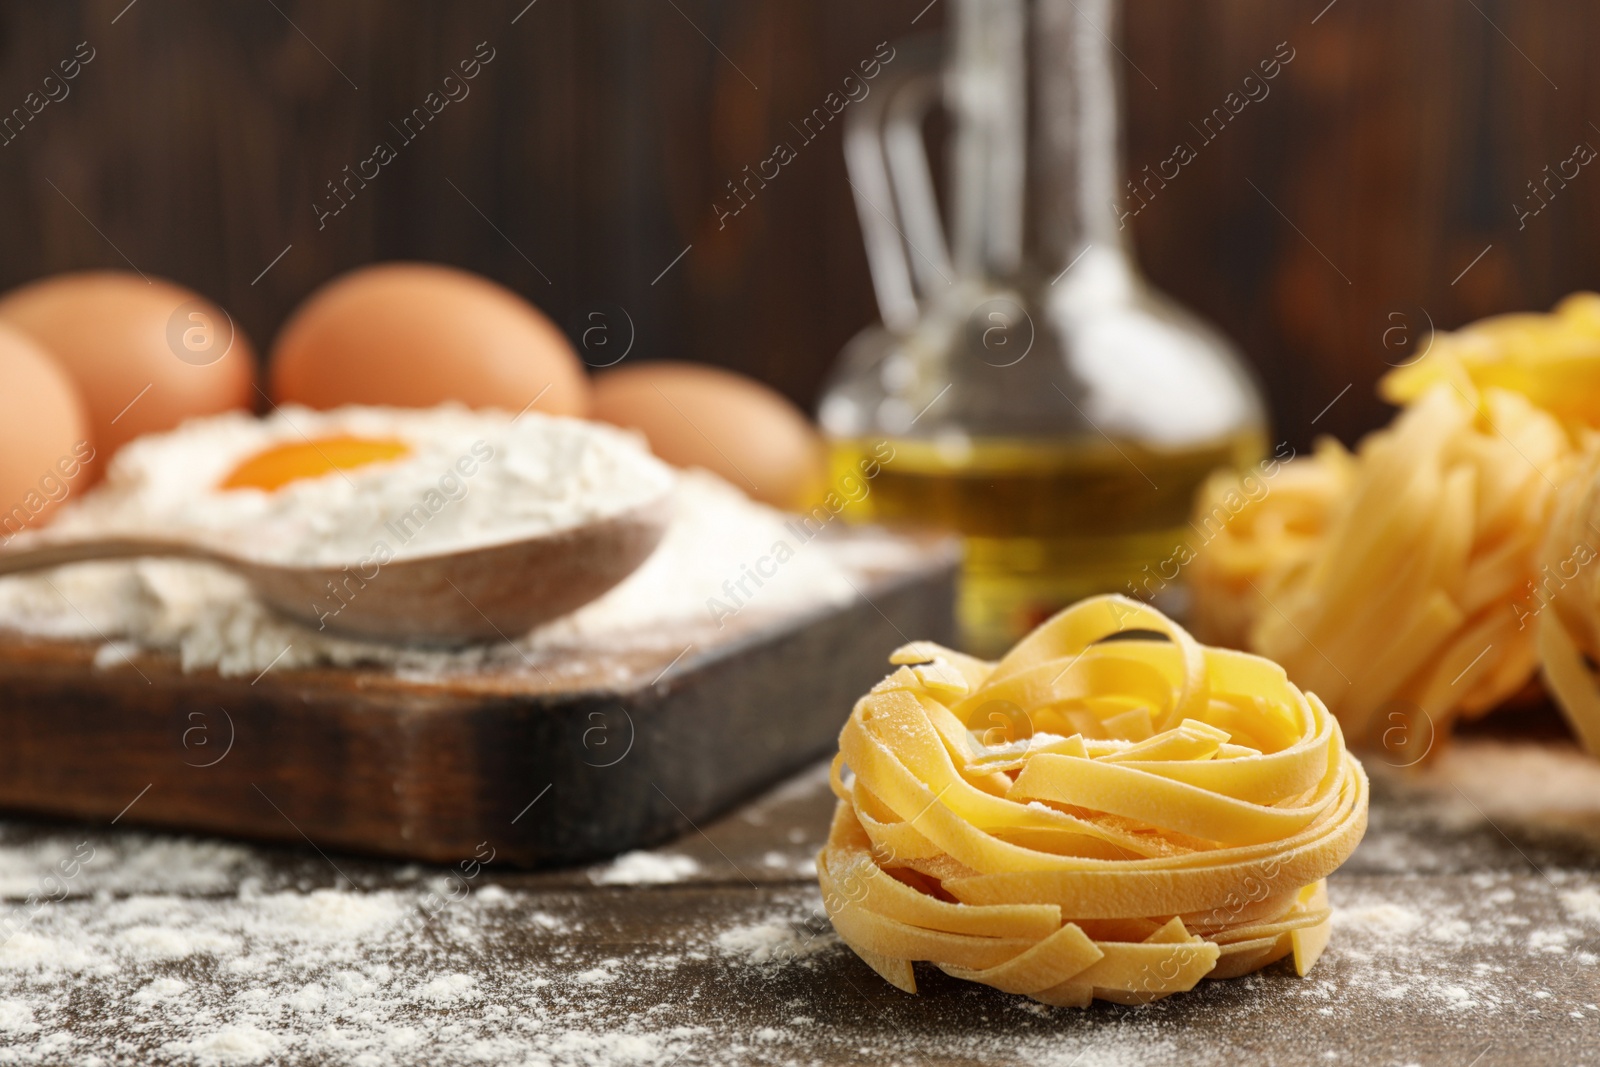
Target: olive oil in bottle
1042, 524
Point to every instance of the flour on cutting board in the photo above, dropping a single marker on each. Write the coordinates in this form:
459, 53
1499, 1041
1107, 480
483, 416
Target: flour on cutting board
208, 617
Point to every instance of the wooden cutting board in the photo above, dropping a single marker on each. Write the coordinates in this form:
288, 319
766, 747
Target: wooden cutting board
559, 761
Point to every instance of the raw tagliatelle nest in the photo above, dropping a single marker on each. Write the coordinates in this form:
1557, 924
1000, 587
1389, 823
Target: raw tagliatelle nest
1399, 605
1088, 817
1553, 359
1256, 533
1565, 601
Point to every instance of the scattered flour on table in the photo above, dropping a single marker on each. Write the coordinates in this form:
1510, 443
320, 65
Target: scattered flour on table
326, 976
227, 1046
16, 1017
447, 988
129, 862
646, 868
209, 619
1385, 918
1582, 904
772, 942
1419, 944
509, 975
596, 976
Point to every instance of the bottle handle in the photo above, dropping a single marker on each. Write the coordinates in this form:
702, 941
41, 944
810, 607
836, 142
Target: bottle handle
869, 185
907, 157
893, 188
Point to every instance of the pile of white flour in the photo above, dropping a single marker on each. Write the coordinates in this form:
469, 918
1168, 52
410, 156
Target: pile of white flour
544, 473
470, 478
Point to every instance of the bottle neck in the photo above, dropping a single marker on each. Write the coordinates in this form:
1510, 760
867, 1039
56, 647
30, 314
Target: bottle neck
1036, 153
1078, 127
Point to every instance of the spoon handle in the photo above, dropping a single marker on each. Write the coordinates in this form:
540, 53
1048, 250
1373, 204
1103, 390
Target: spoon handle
55, 553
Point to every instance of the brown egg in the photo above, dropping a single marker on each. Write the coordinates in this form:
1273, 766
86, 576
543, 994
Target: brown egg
45, 448
417, 334
700, 416
145, 354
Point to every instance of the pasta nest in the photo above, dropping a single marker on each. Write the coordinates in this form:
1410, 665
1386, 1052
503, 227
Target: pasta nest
1564, 600
1400, 599
1254, 537
1088, 817
1553, 359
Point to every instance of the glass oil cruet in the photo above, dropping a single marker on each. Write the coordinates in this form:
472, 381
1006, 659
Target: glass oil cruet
1037, 395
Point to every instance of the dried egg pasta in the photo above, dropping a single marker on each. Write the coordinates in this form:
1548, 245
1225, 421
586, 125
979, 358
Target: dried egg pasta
1410, 587
1247, 548
1552, 359
1088, 817
1405, 618
1398, 603
1566, 602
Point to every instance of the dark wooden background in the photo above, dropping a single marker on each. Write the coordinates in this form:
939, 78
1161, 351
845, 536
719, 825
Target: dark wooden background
590, 151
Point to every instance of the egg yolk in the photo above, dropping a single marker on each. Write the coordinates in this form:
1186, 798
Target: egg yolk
274, 468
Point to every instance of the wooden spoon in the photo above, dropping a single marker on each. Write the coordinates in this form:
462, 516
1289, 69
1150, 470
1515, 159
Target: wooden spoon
450, 598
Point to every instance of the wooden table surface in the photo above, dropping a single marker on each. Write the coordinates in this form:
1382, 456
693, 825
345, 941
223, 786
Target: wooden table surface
1468, 934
